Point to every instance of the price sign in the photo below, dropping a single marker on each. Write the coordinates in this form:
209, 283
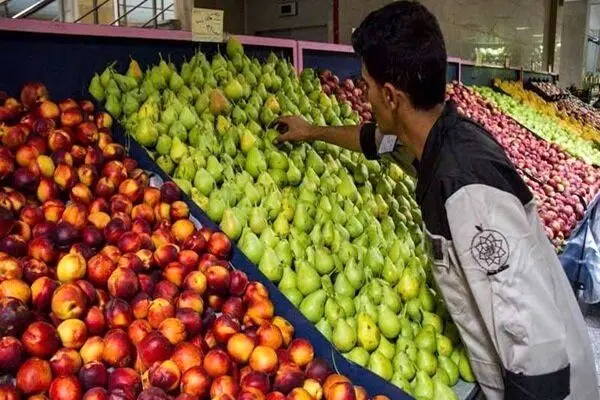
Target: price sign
207, 25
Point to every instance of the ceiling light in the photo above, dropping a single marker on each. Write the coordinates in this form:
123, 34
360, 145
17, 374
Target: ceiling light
522, 28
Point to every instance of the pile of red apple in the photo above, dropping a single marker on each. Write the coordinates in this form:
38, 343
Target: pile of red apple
348, 91
558, 181
109, 291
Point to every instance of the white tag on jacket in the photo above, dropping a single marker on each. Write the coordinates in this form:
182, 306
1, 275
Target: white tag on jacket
388, 144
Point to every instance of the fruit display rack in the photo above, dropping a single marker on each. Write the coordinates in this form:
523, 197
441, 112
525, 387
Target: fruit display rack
92, 48
121, 48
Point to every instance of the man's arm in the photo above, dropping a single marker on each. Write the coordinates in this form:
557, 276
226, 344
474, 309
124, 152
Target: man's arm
298, 129
510, 274
364, 138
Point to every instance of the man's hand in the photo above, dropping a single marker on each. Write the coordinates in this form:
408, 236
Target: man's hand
296, 129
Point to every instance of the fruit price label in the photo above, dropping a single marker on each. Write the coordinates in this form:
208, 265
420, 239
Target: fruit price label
207, 25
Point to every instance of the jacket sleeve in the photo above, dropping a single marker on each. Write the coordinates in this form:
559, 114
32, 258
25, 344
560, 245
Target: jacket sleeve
508, 274
370, 141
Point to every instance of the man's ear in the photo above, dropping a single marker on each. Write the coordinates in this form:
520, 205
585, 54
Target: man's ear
391, 96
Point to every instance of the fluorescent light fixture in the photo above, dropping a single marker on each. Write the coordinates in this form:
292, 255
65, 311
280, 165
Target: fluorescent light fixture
522, 28
538, 35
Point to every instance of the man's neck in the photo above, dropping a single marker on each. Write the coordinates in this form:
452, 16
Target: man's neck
415, 130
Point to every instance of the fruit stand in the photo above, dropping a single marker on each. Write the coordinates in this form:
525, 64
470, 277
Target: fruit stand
329, 241
96, 54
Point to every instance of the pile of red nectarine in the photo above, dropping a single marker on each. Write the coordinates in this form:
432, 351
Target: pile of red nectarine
109, 291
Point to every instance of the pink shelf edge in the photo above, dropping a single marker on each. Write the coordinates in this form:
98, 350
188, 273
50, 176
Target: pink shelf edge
322, 46
62, 28
266, 41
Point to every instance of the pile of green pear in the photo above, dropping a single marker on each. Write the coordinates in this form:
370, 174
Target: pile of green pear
340, 235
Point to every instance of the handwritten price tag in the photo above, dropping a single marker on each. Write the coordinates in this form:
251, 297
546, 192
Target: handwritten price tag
207, 25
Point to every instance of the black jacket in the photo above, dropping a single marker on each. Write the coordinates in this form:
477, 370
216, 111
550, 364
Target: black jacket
498, 273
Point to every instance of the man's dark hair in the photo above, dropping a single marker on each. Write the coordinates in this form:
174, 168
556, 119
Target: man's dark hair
402, 43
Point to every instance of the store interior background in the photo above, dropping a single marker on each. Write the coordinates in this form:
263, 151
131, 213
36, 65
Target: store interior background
560, 36
532, 34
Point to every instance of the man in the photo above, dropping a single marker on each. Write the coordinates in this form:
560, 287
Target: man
498, 273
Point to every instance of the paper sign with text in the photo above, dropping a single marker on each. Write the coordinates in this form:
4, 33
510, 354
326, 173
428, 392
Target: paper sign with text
207, 25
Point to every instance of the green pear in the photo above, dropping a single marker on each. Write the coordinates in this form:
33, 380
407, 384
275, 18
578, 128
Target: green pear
333, 311
409, 285
230, 224
307, 277
433, 320
386, 348
441, 391
344, 337
427, 297
423, 386
368, 333
426, 339
325, 328
426, 361
216, 207
234, 89
404, 366
359, 356
204, 182
270, 265
413, 309
258, 220
450, 368
252, 247
343, 286
381, 365
444, 345
293, 295
255, 162
288, 279
388, 323
464, 367
312, 307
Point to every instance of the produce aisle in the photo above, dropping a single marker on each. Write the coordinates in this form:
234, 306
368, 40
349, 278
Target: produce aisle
151, 300
330, 243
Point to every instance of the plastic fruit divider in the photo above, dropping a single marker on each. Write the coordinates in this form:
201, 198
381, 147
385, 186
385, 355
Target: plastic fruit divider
304, 328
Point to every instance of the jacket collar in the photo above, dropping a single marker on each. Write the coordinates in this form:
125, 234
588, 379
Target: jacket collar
433, 147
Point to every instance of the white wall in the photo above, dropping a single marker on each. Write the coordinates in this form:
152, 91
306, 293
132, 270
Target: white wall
468, 24
312, 21
234, 13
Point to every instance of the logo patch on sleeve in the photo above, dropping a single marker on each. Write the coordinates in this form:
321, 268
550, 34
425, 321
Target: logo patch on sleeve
489, 248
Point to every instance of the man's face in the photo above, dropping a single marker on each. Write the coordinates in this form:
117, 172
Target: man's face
382, 112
